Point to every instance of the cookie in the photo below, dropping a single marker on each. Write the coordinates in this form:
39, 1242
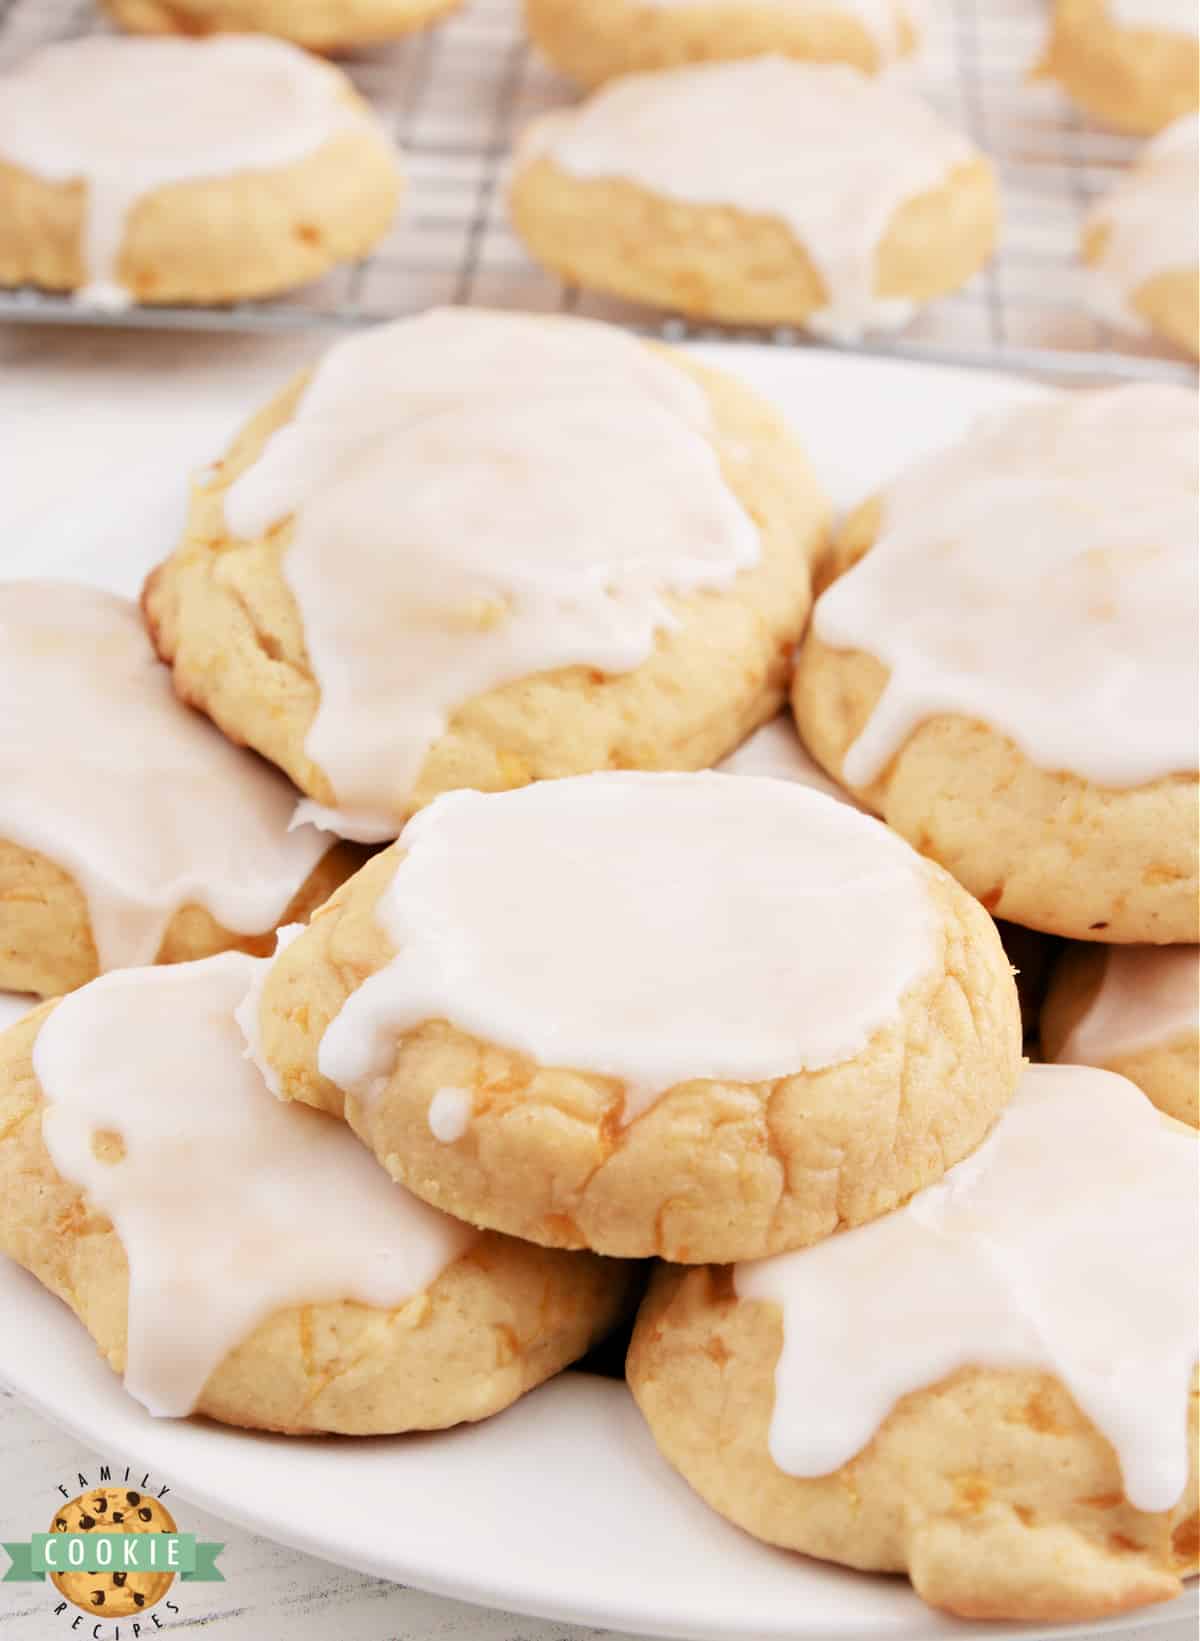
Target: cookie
595, 40
685, 1015
760, 192
478, 549
1008, 674
1140, 242
248, 1260
320, 25
179, 171
118, 1594
130, 831
1134, 1010
1134, 65
943, 1392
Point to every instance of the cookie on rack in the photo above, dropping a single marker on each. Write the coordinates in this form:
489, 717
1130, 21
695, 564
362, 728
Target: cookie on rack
689, 1015
1006, 669
1134, 65
597, 40
130, 831
765, 191
1140, 241
186, 171
947, 1392
319, 25
248, 1260
482, 549
1134, 1010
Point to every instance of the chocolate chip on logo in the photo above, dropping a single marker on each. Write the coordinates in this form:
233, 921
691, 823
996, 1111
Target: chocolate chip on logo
99, 1506
118, 1515
144, 1514
60, 1524
139, 1600
86, 1523
133, 1498
119, 1579
97, 1598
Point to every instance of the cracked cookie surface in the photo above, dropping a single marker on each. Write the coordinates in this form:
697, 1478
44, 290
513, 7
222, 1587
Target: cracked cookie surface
712, 1170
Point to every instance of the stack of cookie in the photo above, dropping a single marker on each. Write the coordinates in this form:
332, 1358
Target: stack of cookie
915, 1307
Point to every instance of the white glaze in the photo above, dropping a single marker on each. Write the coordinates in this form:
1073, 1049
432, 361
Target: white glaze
480, 497
105, 772
830, 152
776, 751
1079, 1209
648, 928
1148, 997
229, 1205
128, 116
1041, 577
1171, 16
880, 19
450, 1114
1152, 217
248, 1013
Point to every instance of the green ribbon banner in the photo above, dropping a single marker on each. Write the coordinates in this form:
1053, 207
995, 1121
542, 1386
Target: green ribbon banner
193, 1559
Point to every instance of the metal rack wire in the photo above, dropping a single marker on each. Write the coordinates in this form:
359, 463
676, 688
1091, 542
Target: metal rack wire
456, 96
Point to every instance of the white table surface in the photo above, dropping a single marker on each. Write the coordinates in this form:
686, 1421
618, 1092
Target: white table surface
70, 405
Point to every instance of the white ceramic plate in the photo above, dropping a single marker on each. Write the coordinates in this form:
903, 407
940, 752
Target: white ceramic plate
560, 1507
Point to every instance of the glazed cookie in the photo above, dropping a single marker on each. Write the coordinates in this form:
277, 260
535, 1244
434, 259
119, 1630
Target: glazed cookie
687, 1015
1008, 675
177, 171
944, 1392
764, 192
321, 25
595, 40
1134, 1010
1133, 63
482, 549
248, 1260
130, 831
1140, 242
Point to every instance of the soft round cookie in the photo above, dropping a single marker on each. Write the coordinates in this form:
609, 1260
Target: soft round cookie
596, 40
943, 1393
482, 549
180, 171
1008, 675
685, 1015
1135, 64
130, 831
106, 1509
1134, 1010
319, 25
764, 192
248, 1260
1140, 241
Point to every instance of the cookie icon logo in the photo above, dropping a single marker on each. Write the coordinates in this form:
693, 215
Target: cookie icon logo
115, 1593
113, 1551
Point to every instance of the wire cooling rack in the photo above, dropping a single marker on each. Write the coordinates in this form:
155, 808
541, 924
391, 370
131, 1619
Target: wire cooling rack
456, 96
